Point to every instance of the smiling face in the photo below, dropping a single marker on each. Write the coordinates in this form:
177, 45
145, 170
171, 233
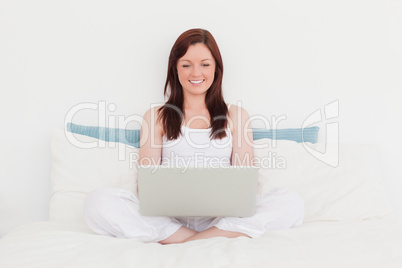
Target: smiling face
196, 70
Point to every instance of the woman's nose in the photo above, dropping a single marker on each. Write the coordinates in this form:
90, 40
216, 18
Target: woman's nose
196, 71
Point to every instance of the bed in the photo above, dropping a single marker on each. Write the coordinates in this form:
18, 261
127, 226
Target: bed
349, 221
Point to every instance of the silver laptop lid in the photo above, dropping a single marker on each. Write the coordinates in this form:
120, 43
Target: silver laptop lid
194, 191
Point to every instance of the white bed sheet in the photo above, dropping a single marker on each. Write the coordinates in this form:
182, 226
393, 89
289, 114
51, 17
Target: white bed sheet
370, 243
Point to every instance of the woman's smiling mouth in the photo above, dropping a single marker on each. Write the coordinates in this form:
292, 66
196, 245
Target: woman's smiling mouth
196, 82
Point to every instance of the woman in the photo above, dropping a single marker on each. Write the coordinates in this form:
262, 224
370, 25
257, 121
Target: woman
195, 108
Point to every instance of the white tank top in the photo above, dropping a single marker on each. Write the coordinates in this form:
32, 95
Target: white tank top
195, 149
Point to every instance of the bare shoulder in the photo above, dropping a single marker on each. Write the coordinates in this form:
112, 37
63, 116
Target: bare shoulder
236, 110
151, 115
150, 120
236, 115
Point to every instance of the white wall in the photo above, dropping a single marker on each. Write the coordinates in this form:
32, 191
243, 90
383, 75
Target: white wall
281, 58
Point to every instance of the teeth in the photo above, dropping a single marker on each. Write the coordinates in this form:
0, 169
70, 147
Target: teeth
196, 81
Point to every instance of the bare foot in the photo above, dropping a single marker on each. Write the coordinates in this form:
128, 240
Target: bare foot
179, 236
215, 232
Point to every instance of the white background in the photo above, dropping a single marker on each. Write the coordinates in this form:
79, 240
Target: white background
281, 58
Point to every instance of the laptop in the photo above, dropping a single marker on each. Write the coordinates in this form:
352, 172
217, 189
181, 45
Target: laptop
194, 191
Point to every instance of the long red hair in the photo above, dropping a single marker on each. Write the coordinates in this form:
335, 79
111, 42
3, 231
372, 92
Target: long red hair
171, 113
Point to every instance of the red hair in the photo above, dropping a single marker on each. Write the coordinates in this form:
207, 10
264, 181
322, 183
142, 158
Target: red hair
171, 113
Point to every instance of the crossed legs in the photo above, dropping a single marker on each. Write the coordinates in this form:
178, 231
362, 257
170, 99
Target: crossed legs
115, 212
185, 234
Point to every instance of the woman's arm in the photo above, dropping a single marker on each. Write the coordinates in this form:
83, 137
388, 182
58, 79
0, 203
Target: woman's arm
242, 150
150, 139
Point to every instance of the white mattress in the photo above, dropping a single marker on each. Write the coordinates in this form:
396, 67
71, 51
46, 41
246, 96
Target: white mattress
348, 221
370, 243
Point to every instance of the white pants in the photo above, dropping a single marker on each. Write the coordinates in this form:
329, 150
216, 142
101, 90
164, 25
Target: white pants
115, 212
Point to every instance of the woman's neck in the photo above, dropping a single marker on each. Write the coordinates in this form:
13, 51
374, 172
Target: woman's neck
195, 104
196, 114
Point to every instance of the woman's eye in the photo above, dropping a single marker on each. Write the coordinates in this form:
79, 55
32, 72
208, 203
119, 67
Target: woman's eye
205, 65
185, 66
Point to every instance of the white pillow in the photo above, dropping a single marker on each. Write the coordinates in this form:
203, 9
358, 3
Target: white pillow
76, 171
351, 191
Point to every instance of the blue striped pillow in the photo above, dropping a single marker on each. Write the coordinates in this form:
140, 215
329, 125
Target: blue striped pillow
132, 136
